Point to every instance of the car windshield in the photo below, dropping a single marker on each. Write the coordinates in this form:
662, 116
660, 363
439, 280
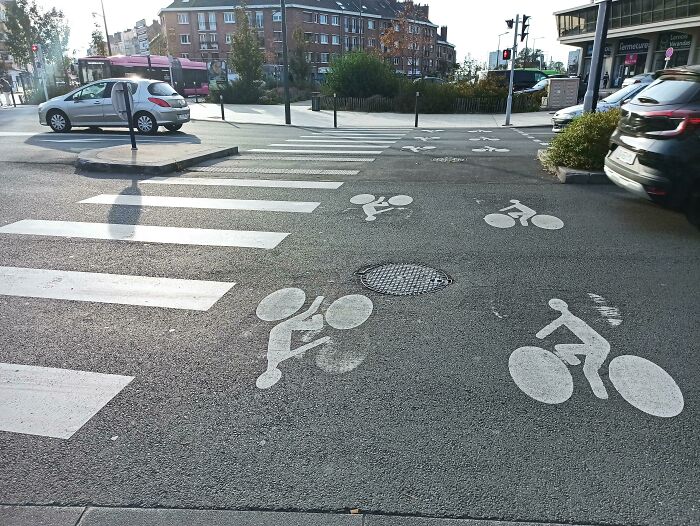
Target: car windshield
161, 88
542, 84
624, 93
671, 90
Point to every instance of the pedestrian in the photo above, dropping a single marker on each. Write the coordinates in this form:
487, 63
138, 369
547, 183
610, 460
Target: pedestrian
606, 79
6, 89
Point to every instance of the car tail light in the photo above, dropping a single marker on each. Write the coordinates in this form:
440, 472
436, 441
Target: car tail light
684, 118
659, 192
160, 102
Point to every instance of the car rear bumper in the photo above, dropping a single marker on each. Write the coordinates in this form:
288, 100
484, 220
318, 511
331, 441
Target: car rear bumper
628, 184
173, 115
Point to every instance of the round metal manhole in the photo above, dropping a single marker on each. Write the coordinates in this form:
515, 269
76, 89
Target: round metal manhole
404, 279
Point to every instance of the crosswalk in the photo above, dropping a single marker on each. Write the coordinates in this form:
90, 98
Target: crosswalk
57, 403
362, 144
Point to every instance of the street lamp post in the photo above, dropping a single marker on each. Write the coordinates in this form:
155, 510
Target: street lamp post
104, 19
534, 48
285, 67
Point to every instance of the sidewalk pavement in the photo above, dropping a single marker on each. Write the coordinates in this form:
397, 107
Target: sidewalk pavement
303, 116
90, 516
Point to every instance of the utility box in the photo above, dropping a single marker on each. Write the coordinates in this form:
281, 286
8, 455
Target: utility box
562, 93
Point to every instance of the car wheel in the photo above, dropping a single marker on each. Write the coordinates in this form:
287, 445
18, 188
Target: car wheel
173, 127
58, 121
146, 124
692, 207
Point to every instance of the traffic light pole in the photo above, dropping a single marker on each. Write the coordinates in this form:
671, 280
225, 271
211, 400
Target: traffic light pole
285, 67
590, 100
509, 105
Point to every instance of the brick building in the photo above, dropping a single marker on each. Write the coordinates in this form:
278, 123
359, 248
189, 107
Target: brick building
202, 30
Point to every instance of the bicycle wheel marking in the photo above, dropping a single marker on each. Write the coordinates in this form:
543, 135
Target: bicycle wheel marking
541, 375
646, 386
523, 214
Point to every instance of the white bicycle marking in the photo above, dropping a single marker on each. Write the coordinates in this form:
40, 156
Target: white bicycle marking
426, 139
479, 131
418, 149
490, 149
432, 131
373, 206
345, 313
545, 376
523, 213
483, 138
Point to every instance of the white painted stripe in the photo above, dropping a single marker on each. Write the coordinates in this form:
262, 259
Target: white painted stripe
255, 183
334, 152
52, 402
18, 134
362, 136
342, 137
207, 203
111, 288
281, 171
147, 234
349, 141
329, 146
306, 158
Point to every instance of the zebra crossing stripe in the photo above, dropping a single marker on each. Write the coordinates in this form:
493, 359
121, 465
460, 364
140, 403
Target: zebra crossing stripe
339, 137
378, 149
343, 141
52, 402
147, 234
306, 158
111, 288
254, 183
334, 152
203, 203
281, 171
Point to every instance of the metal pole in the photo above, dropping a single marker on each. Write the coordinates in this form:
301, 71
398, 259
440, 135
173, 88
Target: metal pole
417, 97
590, 100
12, 93
132, 135
499, 55
150, 69
335, 110
221, 100
285, 68
196, 97
509, 105
104, 19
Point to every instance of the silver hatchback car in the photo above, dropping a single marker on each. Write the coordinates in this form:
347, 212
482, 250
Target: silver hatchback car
156, 103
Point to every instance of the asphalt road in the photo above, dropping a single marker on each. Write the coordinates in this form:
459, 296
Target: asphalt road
414, 412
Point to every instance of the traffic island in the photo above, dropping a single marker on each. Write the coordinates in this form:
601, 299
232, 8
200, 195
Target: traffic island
572, 175
150, 159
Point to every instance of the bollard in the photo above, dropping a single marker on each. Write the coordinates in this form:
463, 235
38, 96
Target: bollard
417, 97
221, 99
196, 97
335, 110
12, 92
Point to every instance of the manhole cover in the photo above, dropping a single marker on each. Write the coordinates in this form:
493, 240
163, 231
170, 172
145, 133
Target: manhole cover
404, 279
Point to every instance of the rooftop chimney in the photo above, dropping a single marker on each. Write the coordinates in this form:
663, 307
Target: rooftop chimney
443, 33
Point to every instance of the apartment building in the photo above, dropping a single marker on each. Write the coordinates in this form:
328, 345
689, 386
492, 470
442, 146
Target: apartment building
134, 41
203, 29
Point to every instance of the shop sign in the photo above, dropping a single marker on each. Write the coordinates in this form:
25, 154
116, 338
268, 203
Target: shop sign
589, 50
675, 40
631, 59
633, 46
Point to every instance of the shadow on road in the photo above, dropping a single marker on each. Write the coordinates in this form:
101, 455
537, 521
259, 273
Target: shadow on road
126, 214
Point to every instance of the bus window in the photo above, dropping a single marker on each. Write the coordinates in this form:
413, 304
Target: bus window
91, 71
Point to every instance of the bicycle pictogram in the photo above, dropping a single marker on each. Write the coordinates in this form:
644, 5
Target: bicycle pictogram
373, 206
545, 376
524, 214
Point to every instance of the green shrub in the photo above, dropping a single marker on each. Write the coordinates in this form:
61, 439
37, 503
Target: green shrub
360, 74
36, 96
584, 143
241, 92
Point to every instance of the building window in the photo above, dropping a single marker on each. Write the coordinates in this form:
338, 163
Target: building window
372, 42
309, 57
229, 17
212, 21
336, 40
323, 19
335, 20
228, 38
202, 21
184, 39
397, 61
325, 57
259, 19
315, 18
184, 55
324, 39
202, 37
371, 24
183, 18
212, 37
277, 17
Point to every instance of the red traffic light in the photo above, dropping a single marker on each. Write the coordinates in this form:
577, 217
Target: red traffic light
35, 48
507, 54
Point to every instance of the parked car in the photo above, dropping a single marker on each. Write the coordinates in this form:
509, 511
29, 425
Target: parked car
429, 80
542, 85
655, 150
156, 103
563, 118
642, 78
523, 79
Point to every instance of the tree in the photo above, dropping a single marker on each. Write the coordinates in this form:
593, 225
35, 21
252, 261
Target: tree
98, 44
406, 39
158, 45
529, 58
299, 66
245, 57
469, 70
360, 74
28, 24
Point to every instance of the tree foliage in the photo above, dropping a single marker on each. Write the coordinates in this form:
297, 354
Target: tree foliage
28, 24
246, 58
360, 74
469, 70
97, 43
404, 38
529, 58
299, 66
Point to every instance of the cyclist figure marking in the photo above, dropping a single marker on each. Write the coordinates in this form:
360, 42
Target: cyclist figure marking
523, 212
595, 348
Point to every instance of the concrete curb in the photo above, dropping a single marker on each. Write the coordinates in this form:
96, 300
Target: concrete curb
97, 516
572, 176
150, 159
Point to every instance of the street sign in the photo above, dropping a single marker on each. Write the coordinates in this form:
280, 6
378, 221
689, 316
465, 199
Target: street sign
669, 52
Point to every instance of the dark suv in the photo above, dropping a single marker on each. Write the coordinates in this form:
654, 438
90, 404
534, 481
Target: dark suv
655, 151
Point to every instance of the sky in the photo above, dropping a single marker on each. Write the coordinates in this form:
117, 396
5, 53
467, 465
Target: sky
473, 31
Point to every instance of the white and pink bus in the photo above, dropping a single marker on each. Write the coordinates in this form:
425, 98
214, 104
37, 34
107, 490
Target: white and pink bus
189, 77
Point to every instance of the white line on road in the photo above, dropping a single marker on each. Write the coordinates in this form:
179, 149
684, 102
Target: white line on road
18, 134
305, 158
343, 140
281, 171
343, 137
334, 152
329, 146
111, 288
147, 234
254, 183
52, 402
203, 202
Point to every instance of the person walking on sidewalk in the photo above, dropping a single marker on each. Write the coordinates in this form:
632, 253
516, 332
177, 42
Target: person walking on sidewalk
6, 89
